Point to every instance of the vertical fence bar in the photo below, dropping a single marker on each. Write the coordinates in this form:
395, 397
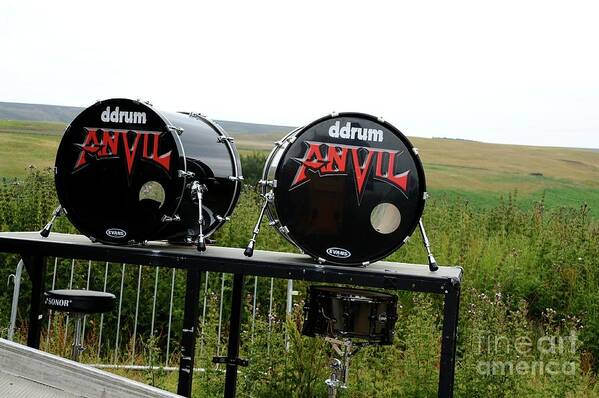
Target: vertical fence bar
66, 328
272, 281
102, 314
153, 312
170, 318
136, 313
220, 315
254, 306
288, 309
204, 315
118, 320
15, 299
50, 312
89, 272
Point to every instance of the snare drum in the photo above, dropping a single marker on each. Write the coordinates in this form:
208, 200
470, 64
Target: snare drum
361, 315
127, 172
347, 189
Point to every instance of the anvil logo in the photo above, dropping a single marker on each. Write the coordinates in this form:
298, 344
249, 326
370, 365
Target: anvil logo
335, 158
106, 144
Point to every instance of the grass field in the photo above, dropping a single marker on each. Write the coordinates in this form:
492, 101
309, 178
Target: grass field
478, 172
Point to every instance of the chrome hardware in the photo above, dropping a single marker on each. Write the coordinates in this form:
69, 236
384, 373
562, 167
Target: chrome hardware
426, 196
407, 239
334, 114
177, 130
174, 218
283, 229
225, 138
57, 213
196, 115
198, 190
365, 263
221, 218
182, 173
235, 178
416, 151
273, 223
432, 263
380, 119
249, 250
292, 139
321, 260
272, 184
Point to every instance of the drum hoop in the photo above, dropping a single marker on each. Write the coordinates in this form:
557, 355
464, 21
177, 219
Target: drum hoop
417, 162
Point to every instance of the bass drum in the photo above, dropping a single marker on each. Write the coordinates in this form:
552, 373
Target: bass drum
125, 172
347, 189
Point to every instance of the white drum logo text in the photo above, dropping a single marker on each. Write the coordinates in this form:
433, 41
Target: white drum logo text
117, 116
351, 133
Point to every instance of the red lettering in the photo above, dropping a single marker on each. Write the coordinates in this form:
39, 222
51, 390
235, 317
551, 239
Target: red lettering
91, 138
336, 161
130, 151
361, 170
312, 160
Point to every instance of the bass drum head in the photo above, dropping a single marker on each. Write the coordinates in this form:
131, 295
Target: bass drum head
117, 171
350, 189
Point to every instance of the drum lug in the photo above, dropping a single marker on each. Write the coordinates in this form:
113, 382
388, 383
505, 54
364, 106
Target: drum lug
334, 114
292, 139
273, 223
416, 151
380, 119
182, 173
221, 218
406, 240
236, 178
175, 129
283, 229
196, 115
272, 184
167, 219
365, 263
140, 101
425, 196
321, 260
225, 138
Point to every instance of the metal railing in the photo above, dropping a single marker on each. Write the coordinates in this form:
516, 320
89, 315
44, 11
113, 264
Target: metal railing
81, 277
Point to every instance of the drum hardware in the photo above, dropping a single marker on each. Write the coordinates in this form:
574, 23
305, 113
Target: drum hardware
166, 218
432, 263
249, 250
340, 367
175, 129
59, 211
198, 190
223, 138
186, 174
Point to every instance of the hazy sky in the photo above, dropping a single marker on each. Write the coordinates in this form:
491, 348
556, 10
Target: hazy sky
506, 71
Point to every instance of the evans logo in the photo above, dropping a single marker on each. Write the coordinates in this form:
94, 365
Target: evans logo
117, 116
338, 252
355, 133
116, 233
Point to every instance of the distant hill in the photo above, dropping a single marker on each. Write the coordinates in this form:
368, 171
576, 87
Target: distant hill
64, 114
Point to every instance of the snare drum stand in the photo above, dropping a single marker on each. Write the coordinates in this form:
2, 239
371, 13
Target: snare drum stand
340, 367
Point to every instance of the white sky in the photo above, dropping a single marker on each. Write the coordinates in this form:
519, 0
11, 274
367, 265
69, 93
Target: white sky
505, 71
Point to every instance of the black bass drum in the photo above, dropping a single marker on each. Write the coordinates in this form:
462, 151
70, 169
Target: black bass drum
127, 172
347, 189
